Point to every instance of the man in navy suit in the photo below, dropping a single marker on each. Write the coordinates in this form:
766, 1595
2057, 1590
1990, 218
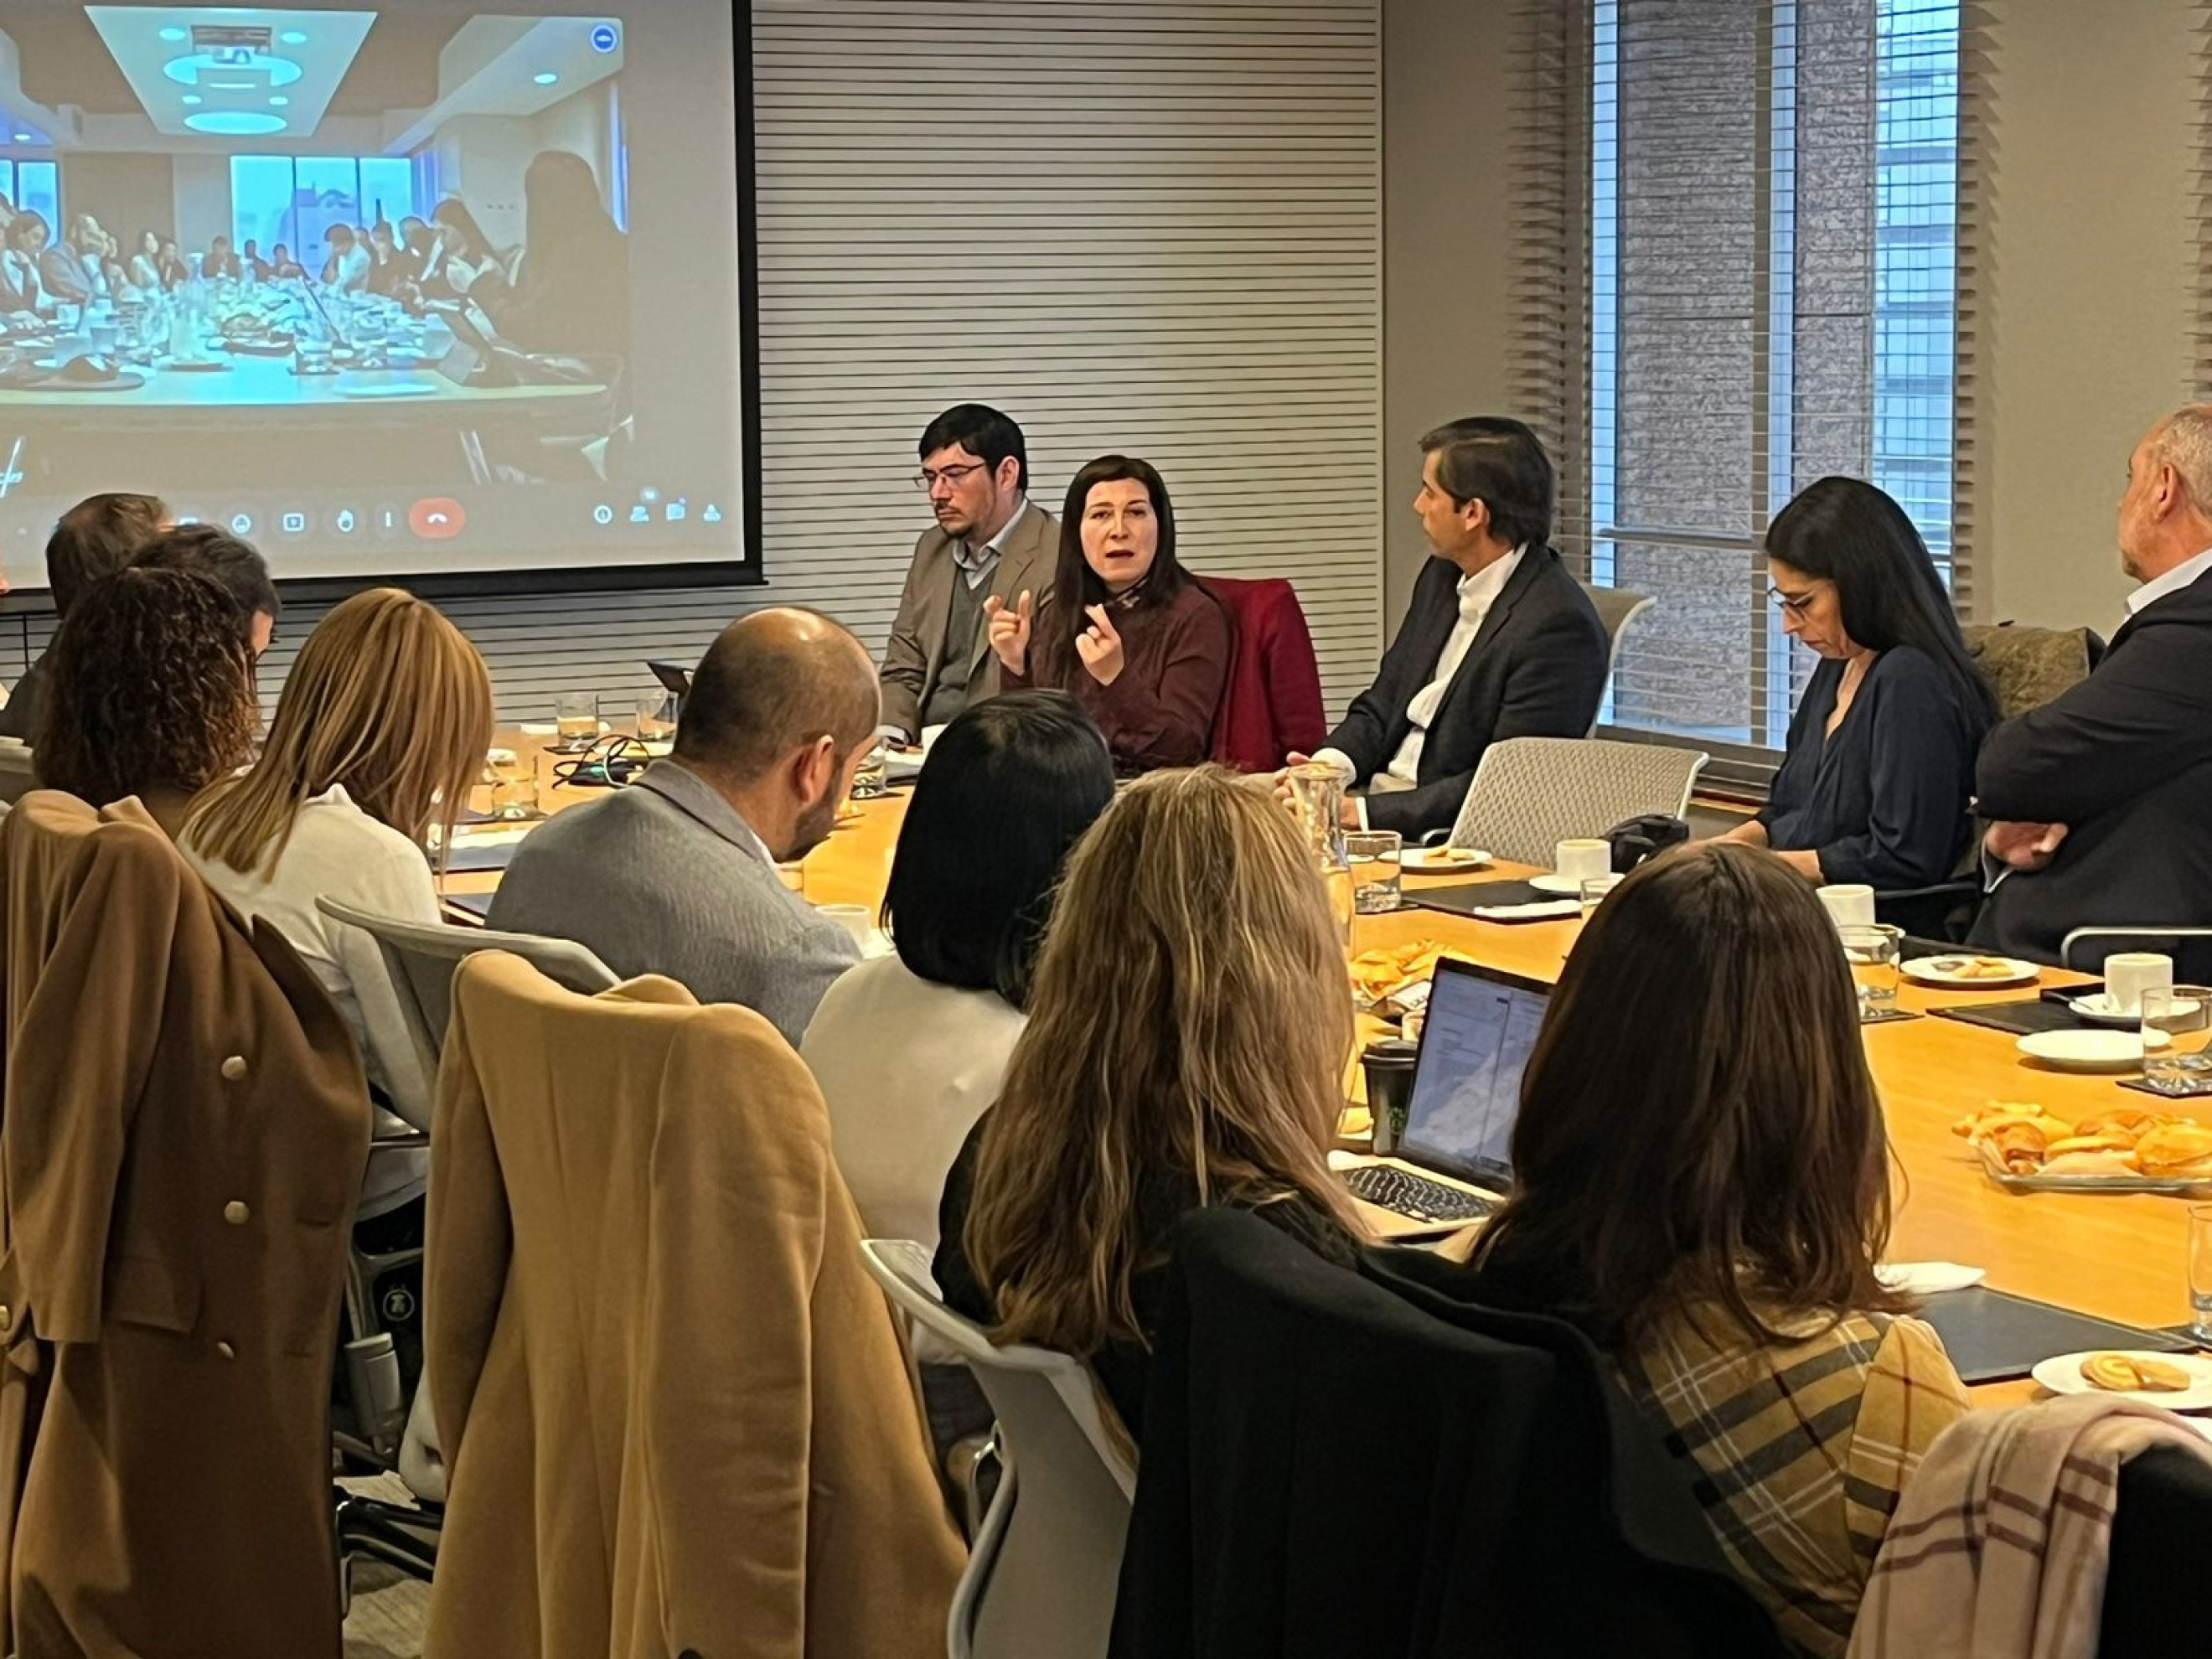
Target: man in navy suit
1499, 641
2101, 801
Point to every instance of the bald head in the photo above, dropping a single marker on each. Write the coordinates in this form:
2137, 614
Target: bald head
772, 682
2166, 516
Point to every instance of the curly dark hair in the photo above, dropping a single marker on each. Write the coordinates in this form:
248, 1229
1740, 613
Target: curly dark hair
149, 687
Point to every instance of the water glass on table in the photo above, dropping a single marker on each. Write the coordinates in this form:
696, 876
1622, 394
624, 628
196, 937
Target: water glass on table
1875, 953
575, 720
656, 716
1374, 855
871, 779
2182, 1016
1594, 890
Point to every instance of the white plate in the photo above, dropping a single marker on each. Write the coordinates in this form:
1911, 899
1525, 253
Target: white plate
1432, 861
1933, 970
1566, 886
2101, 1010
2062, 1374
2087, 1051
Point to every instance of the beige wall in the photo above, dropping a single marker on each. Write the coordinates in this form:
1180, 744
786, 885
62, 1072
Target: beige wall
2093, 174
1446, 126
2089, 318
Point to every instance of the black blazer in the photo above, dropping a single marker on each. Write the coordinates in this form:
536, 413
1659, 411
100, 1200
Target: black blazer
2124, 760
1502, 1494
1536, 669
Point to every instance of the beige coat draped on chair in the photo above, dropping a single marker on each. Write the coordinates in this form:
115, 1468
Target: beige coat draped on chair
677, 1415
184, 1131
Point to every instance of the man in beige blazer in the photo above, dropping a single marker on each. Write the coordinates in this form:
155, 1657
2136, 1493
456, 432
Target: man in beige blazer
987, 541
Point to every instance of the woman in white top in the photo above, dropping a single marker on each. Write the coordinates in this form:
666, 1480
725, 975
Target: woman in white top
910, 1050
382, 731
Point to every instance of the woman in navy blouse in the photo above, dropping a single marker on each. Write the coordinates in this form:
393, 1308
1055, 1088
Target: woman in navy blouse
1878, 781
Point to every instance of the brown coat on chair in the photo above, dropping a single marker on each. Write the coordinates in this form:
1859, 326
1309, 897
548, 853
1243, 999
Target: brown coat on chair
185, 1127
676, 1412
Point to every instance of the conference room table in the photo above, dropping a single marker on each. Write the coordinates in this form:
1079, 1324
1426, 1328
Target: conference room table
2117, 1256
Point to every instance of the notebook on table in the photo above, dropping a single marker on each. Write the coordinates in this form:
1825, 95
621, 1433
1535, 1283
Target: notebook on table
1453, 1163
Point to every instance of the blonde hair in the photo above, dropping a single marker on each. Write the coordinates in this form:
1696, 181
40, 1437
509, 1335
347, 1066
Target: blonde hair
387, 698
1191, 1018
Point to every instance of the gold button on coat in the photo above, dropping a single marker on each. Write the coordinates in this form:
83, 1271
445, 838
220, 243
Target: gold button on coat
235, 1214
233, 1068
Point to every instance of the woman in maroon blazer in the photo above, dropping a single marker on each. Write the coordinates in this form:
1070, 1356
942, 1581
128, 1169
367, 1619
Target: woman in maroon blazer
1143, 647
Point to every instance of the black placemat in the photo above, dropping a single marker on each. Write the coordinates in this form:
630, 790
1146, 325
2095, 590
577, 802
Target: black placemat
2022, 1018
465, 859
1464, 899
475, 904
2142, 1087
1992, 1336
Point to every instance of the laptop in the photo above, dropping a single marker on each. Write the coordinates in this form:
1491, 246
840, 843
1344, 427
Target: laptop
1453, 1165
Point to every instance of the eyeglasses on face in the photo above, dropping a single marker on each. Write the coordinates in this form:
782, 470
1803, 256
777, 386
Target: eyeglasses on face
927, 479
1799, 605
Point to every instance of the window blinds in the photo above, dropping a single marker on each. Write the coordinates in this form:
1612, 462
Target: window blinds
1740, 241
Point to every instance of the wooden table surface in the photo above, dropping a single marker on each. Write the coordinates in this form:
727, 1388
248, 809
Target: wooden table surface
2119, 1257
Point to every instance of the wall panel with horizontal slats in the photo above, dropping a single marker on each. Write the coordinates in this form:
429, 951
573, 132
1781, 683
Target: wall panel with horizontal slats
1145, 227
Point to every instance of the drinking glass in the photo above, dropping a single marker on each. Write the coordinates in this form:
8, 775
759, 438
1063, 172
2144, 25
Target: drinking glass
1594, 888
1374, 855
1873, 954
2182, 1014
656, 716
619, 714
514, 797
576, 720
2200, 1274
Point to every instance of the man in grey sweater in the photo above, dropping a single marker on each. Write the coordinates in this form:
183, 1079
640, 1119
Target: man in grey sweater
676, 874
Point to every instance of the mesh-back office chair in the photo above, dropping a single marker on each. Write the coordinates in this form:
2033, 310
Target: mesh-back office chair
1530, 794
1617, 608
1043, 1571
420, 957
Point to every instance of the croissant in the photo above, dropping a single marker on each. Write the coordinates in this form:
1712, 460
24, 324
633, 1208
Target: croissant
2020, 1144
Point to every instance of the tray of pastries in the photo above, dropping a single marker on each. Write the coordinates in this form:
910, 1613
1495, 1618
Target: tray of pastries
1379, 977
2127, 1149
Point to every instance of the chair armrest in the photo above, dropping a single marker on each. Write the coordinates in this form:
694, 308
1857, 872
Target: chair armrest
2149, 930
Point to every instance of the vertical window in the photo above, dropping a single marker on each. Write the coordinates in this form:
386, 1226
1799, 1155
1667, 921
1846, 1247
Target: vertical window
295, 199
1774, 198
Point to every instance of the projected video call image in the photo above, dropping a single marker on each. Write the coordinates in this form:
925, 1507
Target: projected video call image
304, 270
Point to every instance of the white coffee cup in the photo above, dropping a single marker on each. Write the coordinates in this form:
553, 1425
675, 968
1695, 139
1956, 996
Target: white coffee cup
855, 918
2129, 973
1849, 903
1579, 860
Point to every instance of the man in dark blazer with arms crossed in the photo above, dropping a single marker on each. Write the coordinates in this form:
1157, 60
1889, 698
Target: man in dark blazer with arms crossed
1499, 641
988, 540
2101, 801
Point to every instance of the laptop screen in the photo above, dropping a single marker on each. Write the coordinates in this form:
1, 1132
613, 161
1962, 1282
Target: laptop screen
1475, 1039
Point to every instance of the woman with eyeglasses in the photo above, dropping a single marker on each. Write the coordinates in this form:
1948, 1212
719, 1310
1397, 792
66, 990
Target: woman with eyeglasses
1878, 778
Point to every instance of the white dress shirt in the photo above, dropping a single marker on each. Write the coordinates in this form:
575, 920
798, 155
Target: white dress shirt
2172, 582
1478, 593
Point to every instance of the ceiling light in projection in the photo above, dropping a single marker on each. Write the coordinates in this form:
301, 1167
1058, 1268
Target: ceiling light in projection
188, 69
235, 122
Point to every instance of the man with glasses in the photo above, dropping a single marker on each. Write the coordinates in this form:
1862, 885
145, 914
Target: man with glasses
987, 540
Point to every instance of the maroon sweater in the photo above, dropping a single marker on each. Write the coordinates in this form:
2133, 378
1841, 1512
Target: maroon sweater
1174, 662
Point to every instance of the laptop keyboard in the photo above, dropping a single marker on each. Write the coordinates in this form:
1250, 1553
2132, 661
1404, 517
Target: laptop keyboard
1390, 1187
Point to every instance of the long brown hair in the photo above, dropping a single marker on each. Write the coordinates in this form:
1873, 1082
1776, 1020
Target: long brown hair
387, 698
1698, 1124
149, 687
1191, 1020
1076, 586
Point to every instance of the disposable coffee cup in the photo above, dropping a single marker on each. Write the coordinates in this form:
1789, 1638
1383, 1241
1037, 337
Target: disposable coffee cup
1849, 904
1388, 1065
1579, 860
2129, 973
855, 918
